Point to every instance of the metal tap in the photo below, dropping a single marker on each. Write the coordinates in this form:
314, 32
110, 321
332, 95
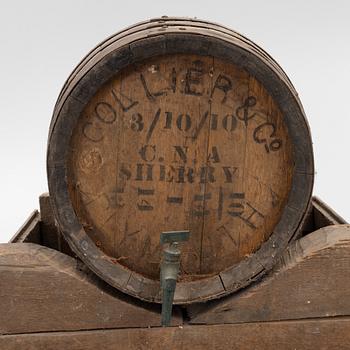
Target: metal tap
169, 270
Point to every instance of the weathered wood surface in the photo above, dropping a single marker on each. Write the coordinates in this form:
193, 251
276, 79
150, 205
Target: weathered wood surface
326, 334
141, 164
179, 126
324, 215
50, 235
319, 215
311, 280
29, 231
44, 290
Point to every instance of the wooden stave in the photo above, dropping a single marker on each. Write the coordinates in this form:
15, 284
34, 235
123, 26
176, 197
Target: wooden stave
145, 289
147, 25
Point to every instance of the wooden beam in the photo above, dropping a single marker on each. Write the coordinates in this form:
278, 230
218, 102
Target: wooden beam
326, 334
324, 215
50, 234
29, 231
311, 280
44, 290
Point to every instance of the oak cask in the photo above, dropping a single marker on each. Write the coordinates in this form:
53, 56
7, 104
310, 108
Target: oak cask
179, 124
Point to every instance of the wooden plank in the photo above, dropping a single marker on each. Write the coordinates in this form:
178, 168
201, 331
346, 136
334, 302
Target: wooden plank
29, 231
324, 215
44, 290
311, 280
49, 233
326, 334
51, 237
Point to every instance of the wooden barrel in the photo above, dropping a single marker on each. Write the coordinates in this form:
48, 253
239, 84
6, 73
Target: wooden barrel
178, 124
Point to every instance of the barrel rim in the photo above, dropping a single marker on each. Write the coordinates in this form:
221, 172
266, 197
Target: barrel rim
163, 41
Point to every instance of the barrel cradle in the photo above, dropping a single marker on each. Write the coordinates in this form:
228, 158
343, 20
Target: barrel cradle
179, 124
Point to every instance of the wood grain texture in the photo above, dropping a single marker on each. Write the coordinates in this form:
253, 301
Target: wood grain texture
29, 231
323, 215
180, 142
310, 281
51, 236
138, 51
44, 290
323, 334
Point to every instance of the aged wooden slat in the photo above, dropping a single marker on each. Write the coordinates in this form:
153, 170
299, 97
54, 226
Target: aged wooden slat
324, 215
310, 280
29, 231
322, 334
51, 237
44, 290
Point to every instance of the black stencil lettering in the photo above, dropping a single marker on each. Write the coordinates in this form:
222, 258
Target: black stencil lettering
253, 213
202, 197
153, 125
242, 112
150, 95
222, 229
149, 172
236, 206
168, 120
190, 175
207, 174
200, 210
128, 234
139, 172
114, 198
124, 172
180, 174
105, 112
147, 192
148, 153
183, 122
200, 125
243, 210
275, 144
193, 78
125, 107
229, 172
229, 122
166, 173
214, 155
173, 80
214, 122
174, 200
144, 205
136, 122
161, 172
180, 152
224, 84
92, 132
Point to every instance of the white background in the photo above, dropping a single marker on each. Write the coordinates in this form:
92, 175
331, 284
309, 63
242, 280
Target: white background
42, 41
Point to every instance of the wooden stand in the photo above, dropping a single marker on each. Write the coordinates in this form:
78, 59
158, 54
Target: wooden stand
49, 300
